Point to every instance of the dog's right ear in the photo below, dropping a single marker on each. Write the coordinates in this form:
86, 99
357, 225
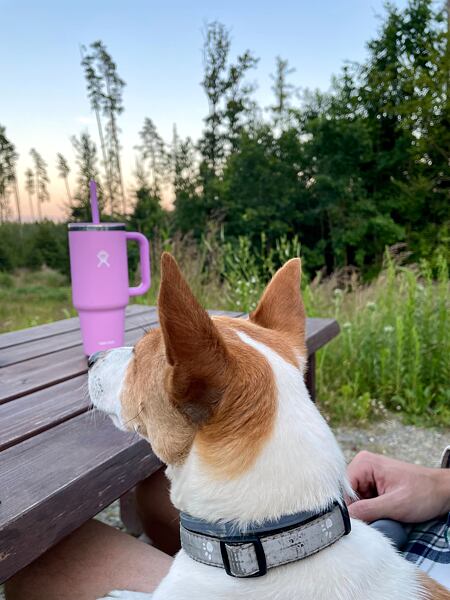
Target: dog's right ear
195, 350
281, 306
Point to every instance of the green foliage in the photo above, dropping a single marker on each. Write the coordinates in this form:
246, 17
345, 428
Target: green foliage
148, 216
34, 245
392, 354
32, 298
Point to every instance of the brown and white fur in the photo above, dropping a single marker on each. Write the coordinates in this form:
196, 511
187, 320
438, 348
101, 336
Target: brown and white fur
224, 404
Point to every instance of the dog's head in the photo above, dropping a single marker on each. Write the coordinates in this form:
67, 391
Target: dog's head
201, 381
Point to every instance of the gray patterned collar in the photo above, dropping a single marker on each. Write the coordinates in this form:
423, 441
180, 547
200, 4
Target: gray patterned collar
251, 551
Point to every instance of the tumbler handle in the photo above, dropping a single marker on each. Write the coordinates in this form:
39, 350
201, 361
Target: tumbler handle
144, 260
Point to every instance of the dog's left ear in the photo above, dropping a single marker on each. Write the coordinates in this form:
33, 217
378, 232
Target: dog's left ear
195, 350
281, 305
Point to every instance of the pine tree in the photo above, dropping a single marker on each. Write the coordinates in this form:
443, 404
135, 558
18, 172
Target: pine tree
283, 92
86, 159
105, 93
41, 177
229, 100
29, 186
8, 178
94, 85
229, 97
153, 156
63, 170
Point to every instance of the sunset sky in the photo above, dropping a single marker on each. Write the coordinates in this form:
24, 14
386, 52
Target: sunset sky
157, 47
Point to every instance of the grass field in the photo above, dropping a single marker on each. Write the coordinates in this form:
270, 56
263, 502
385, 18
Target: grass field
30, 298
392, 354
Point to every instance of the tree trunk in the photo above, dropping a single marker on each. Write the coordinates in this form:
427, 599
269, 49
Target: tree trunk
69, 196
16, 193
119, 169
105, 161
2, 208
30, 201
38, 198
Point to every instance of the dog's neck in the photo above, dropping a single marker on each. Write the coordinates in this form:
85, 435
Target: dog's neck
300, 468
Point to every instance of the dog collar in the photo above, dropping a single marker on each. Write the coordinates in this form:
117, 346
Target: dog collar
254, 550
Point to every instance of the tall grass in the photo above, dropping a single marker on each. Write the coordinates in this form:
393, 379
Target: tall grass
394, 347
393, 351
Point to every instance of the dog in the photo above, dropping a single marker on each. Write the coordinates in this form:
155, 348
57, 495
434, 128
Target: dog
224, 405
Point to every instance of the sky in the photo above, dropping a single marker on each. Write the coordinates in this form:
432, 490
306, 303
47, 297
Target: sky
157, 48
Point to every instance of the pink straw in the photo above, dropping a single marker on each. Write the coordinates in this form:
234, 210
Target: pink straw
94, 202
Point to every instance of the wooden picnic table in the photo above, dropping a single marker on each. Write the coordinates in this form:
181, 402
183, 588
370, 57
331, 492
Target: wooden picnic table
60, 465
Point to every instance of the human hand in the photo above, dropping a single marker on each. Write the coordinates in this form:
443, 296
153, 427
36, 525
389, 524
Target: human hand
392, 489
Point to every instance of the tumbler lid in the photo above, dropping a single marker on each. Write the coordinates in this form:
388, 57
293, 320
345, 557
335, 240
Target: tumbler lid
96, 226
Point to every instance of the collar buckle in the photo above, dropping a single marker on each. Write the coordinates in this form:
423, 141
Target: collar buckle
259, 553
345, 517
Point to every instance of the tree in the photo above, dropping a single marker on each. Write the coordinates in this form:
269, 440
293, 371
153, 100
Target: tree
228, 96
283, 91
154, 159
105, 93
230, 107
63, 171
190, 211
41, 178
404, 92
86, 159
8, 179
94, 85
147, 215
261, 187
29, 186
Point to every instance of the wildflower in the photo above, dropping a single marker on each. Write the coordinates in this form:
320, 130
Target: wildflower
338, 292
371, 305
388, 329
347, 325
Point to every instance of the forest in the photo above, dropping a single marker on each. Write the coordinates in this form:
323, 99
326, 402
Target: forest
348, 171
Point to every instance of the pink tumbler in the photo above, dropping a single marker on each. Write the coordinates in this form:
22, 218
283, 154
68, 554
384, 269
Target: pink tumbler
99, 270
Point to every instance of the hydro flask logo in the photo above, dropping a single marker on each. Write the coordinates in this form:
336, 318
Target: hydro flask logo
103, 259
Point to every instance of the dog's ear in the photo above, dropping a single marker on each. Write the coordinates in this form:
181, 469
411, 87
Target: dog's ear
281, 305
194, 347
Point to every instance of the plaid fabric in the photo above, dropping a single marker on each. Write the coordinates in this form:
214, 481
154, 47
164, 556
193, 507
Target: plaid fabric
429, 547
428, 543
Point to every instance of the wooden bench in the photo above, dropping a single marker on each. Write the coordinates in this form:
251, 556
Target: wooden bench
59, 464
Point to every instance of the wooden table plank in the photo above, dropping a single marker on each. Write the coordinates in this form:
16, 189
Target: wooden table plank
31, 414
70, 339
45, 494
23, 336
319, 332
44, 371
